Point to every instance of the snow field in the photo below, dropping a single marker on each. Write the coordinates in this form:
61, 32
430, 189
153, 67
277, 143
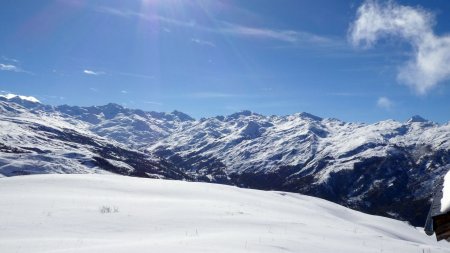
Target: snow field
66, 213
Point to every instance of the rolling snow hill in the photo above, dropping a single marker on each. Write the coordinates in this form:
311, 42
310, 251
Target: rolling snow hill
103, 213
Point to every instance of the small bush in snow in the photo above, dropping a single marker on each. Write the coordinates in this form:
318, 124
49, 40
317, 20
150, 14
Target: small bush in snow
109, 209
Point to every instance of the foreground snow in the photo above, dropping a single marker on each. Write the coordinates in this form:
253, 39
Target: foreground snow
103, 213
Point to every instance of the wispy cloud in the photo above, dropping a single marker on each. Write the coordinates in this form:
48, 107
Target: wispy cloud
430, 62
234, 29
256, 32
10, 59
203, 42
385, 103
9, 67
116, 12
124, 92
13, 68
274, 34
135, 75
92, 73
126, 13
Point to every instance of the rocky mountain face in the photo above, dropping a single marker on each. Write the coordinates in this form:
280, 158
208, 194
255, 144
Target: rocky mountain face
387, 168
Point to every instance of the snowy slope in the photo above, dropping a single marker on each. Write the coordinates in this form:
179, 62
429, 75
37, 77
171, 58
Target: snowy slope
69, 213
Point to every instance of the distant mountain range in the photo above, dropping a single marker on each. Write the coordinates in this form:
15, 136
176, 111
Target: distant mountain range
387, 168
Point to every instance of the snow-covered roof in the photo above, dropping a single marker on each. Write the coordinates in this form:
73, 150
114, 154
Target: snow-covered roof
441, 201
445, 200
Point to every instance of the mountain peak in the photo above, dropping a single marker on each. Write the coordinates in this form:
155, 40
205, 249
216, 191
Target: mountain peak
113, 105
111, 110
308, 116
416, 118
182, 116
20, 98
244, 113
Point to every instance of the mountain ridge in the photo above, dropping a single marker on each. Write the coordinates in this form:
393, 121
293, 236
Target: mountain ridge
22, 99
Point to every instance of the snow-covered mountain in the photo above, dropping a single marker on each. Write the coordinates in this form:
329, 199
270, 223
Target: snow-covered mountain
387, 168
35, 141
133, 128
92, 213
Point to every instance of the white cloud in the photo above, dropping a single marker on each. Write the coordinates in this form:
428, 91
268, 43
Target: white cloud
12, 67
385, 103
124, 92
9, 67
430, 64
92, 73
203, 42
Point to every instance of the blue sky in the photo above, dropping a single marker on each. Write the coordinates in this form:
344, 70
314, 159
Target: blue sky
211, 57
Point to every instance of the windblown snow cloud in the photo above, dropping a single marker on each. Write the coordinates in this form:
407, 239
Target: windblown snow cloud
430, 64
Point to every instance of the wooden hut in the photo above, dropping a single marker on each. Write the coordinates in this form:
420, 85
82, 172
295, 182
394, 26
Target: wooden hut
438, 222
